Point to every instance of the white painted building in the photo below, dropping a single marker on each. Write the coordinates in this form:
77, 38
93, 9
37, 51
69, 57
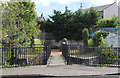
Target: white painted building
107, 11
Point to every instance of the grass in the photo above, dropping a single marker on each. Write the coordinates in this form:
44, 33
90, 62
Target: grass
29, 55
85, 54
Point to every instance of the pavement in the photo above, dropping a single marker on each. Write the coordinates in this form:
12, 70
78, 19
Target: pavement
57, 67
56, 59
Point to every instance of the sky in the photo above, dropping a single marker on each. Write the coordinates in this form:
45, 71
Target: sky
47, 6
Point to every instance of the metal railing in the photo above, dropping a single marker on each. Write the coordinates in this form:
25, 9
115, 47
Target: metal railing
65, 53
93, 56
24, 56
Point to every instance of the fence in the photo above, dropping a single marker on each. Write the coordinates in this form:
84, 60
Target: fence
25, 56
65, 53
93, 56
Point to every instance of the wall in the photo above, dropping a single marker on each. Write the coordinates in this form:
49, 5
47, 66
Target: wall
119, 11
55, 44
111, 11
112, 38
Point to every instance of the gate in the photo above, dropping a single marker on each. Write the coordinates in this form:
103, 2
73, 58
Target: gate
66, 53
25, 56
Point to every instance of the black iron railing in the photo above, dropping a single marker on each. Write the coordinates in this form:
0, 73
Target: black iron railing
65, 53
94, 56
24, 56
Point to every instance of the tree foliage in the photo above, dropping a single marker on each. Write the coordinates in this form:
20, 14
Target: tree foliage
85, 36
70, 24
109, 22
18, 22
98, 37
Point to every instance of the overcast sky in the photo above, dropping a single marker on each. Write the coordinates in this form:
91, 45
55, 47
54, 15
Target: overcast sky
47, 6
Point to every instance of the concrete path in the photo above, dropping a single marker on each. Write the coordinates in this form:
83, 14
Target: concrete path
56, 59
66, 70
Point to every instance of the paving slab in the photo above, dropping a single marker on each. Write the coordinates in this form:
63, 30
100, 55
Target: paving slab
55, 59
66, 70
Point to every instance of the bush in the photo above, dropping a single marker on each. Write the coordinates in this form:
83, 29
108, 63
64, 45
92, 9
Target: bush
85, 36
90, 42
99, 37
38, 43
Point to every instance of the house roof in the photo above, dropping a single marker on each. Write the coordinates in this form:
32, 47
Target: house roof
99, 8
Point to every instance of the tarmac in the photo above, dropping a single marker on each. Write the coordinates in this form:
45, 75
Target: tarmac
57, 67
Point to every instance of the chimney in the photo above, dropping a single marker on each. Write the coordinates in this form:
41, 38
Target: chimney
81, 6
42, 15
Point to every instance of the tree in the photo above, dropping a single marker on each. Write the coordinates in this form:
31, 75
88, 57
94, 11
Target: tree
85, 36
90, 18
59, 24
70, 24
108, 22
18, 20
18, 24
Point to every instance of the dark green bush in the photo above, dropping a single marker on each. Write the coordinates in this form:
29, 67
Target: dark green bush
85, 36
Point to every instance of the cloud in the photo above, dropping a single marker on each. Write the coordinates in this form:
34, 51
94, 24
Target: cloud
48, 2
44, 2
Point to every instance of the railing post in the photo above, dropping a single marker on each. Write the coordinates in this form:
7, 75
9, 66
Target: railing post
68, 53
118, 60
2, 57
100, 57
44, 56
46, 47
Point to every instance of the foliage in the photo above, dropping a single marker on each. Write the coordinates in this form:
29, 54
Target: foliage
99, 36
110, 56
91, 17
19, 22
109, 22
103, 43
38, 43
70, 24
90, 42
85, 36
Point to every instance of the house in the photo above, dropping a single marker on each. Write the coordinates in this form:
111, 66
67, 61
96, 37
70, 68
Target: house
107, 11
119, 10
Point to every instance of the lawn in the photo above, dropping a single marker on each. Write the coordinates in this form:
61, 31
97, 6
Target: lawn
84, 54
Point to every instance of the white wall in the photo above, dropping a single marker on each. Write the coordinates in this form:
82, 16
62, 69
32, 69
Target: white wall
119, 11
112, 38
110, 11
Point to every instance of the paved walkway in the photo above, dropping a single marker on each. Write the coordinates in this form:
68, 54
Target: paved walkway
56, 67
67, 70
56, 59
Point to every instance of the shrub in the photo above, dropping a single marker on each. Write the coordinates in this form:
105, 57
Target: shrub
90, 42
85, 36
99, 35
38, 43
